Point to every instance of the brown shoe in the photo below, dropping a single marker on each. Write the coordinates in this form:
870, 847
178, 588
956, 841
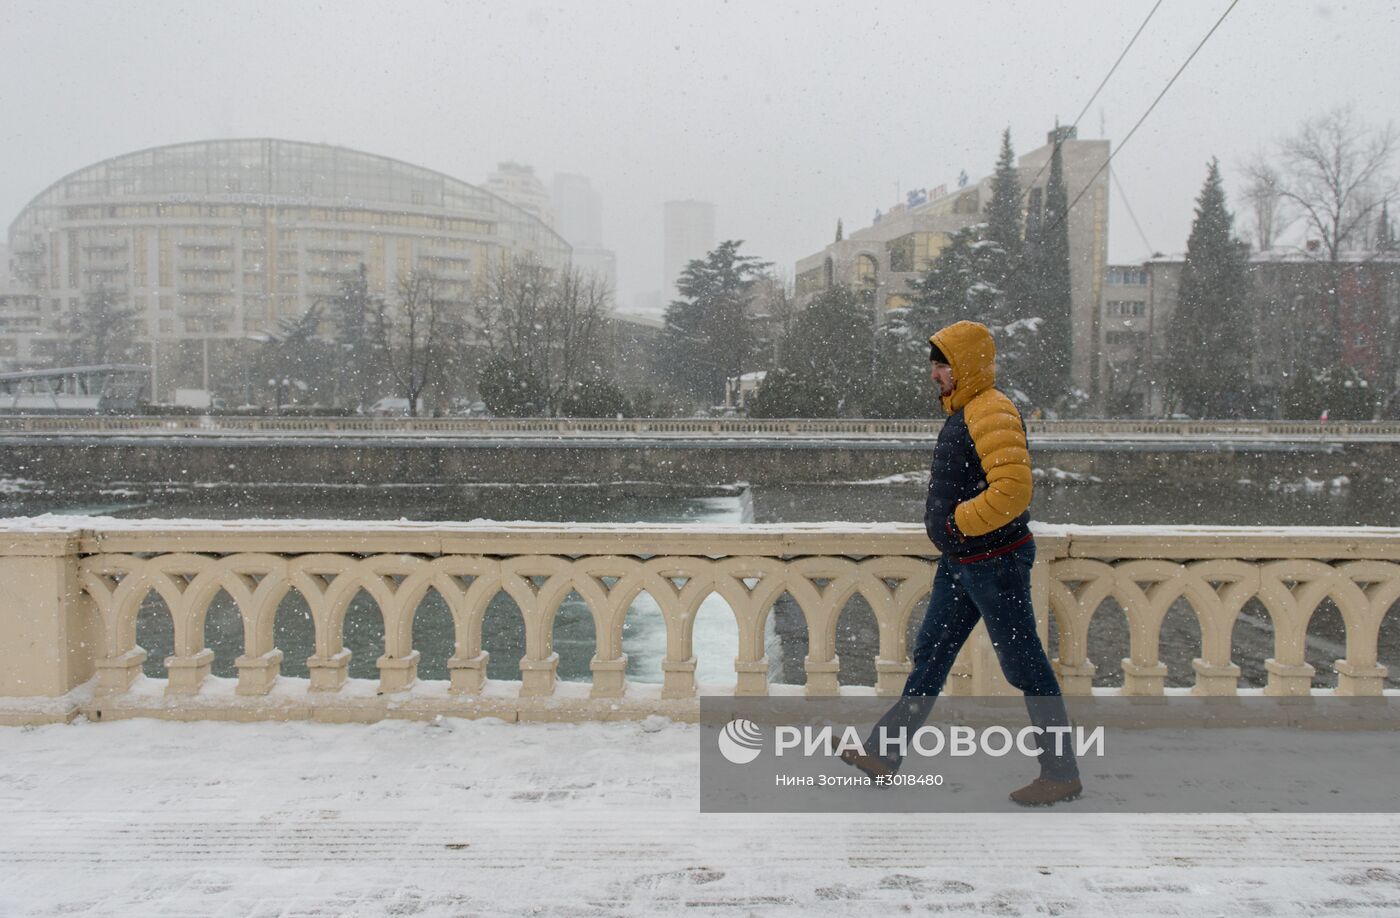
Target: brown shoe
1044, 792
874, 767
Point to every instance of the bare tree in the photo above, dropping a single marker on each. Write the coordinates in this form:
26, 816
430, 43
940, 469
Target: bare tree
1263, 198
544, 325
1338, 173
417, 335
103, 329
579, 306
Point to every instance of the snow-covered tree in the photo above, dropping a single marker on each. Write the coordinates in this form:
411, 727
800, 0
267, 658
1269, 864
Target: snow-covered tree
548, 325
358, 359
786, 394
708, 337
1003, 213
594, 397
830, 344
962, 284
101, 330
511, 389
1208, 355
1044, 272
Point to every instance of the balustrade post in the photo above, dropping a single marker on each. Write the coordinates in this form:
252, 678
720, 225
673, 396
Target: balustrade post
752, 677
116, 674
258, 674
1215, 679
678, 678
822, 675
609, 677
49, 628
537, 676
468, 674
890, 676
1143, 678
1288, 679
328, 673
1354, 680
1075, 678
397, 674
187, 672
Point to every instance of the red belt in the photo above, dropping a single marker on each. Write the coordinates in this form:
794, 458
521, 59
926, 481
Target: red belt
1005, 549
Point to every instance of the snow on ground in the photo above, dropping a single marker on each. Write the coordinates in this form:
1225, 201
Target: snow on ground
153, 818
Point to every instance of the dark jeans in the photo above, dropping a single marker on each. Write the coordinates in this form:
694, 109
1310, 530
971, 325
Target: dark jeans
997, 591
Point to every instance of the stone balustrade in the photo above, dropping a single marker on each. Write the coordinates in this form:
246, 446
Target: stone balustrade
71, 590
724, 427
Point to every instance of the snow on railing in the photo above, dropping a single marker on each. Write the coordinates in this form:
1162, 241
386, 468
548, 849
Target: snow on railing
75, 587
726, 427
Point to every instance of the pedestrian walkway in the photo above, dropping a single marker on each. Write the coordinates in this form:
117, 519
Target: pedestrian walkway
147, 818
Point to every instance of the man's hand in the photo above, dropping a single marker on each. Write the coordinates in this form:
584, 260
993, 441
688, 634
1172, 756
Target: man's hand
950, 526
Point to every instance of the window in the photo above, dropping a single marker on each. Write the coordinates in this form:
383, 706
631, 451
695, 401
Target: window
867, 270
1125, 308
1126, 339
1125, 277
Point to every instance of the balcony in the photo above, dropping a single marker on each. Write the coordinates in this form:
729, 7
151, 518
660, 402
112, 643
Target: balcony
205, 242
204, 288
207, 267
108, 246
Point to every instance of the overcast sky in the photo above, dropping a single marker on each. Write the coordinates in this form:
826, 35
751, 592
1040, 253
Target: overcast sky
785, 115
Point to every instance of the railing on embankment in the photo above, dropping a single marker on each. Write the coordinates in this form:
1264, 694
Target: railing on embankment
723, 427
73, 588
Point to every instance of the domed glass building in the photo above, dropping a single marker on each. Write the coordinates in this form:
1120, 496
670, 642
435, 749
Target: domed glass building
214, 241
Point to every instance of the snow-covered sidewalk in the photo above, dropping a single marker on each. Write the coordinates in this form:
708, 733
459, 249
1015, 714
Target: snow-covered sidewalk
152, 818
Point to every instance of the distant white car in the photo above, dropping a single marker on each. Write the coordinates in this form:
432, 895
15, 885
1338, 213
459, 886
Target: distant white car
393, 408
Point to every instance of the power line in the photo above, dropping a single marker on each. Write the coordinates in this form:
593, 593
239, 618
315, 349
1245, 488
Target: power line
1102, 84
1065, 216
1129, 207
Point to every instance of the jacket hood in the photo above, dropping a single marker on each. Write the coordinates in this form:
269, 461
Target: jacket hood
972, 354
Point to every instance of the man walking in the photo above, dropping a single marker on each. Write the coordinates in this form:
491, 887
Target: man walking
977, 516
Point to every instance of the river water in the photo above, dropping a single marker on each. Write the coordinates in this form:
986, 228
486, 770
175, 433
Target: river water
1058, 499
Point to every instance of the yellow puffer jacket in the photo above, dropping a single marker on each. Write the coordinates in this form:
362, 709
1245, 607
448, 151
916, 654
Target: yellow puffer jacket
980, 485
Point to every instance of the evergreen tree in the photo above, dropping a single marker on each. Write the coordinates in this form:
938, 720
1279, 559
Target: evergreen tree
707, 337
296, 359
840, 232
594, 397
102, 330
963, 282
901, 387
830, 345
1341, 392
358, 378
786, 394
511, 389
1385, 232
1046, 291
1004, 209
1207, 361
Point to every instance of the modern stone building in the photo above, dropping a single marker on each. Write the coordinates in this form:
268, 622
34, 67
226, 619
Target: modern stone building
578, 213
213, 242
901, 243
518, 184
1290, 300
1126, 368
688, 233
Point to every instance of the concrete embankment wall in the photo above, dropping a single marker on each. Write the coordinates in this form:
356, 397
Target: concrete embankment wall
83, 461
